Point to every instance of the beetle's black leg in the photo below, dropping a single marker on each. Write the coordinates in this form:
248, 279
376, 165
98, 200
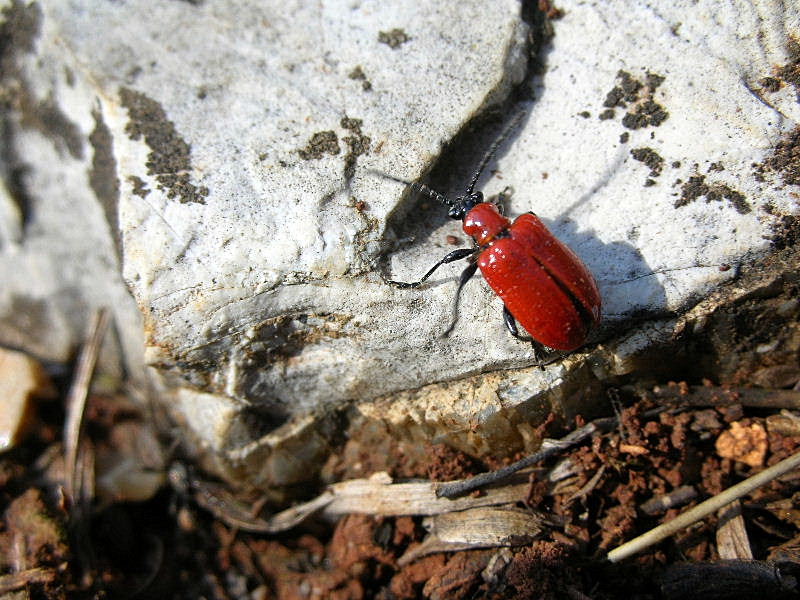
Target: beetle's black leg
502, 198
466, 275
537, 355
511, 324
451, 257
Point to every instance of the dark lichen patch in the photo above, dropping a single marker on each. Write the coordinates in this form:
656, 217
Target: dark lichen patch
654, 81
624, 137
327, 142
650, 158
720, 191
716, 166
103, 175
358, 74
786, 232
647, 114
785, 160
697, 187
645, 111
357, 144
790, 72
606, 114
627, 90
322, 142
351, 124
614, 97
139, 186
693, 189
169, 160
770, 85
393, 38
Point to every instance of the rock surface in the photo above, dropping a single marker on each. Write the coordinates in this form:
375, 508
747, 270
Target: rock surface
226, 163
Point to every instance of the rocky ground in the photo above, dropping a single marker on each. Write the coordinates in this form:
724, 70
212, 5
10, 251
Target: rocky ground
673, 447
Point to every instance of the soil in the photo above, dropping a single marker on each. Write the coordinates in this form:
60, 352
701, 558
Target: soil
612, 488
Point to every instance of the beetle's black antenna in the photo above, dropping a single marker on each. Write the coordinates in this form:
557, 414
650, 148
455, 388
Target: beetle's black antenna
492, 149
418, 188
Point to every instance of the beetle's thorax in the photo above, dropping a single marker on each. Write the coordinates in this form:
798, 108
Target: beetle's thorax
484, 223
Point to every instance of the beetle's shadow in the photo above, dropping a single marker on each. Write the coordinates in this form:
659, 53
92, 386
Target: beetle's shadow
417, 217
630, 290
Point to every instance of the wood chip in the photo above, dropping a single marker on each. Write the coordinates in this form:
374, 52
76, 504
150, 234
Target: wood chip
732, 540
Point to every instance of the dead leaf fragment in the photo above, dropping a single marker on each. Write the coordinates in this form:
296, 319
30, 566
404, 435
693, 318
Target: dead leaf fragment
483, 527
743, 443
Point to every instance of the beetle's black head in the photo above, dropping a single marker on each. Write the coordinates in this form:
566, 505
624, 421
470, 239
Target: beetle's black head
463, 204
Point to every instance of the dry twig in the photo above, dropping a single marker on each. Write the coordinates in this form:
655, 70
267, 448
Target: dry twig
732, 539
76, 400
548, 449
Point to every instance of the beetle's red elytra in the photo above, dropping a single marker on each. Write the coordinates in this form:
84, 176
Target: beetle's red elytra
542, 283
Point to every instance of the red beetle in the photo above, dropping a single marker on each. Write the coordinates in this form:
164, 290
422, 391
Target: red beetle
543, 284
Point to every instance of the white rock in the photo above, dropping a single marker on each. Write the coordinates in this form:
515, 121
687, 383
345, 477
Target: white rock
57, 203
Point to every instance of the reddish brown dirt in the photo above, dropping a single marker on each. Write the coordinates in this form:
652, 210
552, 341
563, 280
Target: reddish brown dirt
170, 547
